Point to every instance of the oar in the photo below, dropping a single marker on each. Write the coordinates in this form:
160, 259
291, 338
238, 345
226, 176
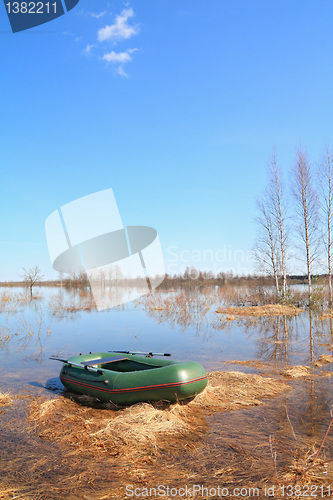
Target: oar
144, 353
85, 367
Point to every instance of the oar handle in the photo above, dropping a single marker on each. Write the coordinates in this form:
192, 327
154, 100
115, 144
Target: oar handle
85, 367
144, 353
58, 359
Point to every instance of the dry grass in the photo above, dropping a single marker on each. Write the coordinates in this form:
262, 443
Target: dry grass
179, 303
299, 371
59, 307
139, 442
131, 431
253, 363
324, 359
5, 398
5, 297
10, 302
230, 317
231, 390
249, 294
256, 311
303, 470
144, 428
8, 493
134, 431
326, 315
76, 450
307, 467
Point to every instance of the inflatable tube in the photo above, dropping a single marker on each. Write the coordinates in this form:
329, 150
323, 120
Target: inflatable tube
127, 378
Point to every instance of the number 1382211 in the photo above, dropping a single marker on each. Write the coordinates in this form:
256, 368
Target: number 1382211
31, 7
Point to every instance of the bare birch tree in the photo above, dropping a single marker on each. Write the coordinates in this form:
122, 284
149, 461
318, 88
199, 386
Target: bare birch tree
326, 208
32, 276
265, 249
306, 205
278, 206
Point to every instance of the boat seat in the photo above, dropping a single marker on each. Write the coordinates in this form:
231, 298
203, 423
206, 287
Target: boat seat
101, 361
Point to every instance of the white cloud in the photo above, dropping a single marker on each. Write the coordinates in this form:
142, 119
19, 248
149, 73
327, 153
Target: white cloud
119, 59
99, 15
88, 48
120, 30
120, 70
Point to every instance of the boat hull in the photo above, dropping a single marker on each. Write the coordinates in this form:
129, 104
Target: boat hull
133, 379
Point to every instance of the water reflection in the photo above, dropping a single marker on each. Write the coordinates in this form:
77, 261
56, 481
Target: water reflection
284, 340
182, 309
25, 329
281, 341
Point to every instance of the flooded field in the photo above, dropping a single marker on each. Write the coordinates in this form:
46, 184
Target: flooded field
263, 425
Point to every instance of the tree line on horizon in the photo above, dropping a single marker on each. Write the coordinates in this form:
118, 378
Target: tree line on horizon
190, 276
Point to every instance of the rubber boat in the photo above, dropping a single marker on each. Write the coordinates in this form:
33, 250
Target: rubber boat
125, 378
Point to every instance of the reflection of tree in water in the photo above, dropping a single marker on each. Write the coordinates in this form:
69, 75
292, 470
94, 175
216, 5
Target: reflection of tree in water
67, 305
73, 302
24, 333
284, 340
272, 334
280, 340
11, 303
186, 309
275, 336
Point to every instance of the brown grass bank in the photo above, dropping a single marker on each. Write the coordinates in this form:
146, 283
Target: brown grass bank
8, 493
5, 398
257, 311
72, 447
146, 428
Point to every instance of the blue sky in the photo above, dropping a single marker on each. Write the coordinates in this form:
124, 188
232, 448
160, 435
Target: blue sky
175, 104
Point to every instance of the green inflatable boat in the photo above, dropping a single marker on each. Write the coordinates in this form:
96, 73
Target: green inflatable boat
126, 378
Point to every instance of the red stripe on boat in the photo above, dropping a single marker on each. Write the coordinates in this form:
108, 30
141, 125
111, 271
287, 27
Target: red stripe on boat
134, 389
